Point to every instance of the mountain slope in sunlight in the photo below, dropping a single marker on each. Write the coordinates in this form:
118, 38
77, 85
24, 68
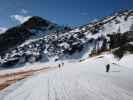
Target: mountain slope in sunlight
111, 33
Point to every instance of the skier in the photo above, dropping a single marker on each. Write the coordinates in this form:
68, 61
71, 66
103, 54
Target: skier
59, 65
62, 64
107, 67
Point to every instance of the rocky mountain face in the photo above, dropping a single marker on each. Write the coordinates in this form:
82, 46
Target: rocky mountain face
12, 38
41, 27
35, 27
112, 33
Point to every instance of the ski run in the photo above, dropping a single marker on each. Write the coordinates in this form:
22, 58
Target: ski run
86, 80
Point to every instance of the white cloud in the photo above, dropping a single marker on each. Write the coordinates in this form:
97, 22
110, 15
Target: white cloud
24, 11
2, 29
20, 18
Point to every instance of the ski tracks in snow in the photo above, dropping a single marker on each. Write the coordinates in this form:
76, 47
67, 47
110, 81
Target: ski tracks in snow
68, 83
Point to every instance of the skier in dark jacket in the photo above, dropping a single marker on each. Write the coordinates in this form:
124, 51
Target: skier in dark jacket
107, 67
59, 65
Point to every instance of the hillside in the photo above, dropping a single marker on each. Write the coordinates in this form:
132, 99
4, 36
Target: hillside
110, 33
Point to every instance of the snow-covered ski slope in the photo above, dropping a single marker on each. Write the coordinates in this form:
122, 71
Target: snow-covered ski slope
85, 80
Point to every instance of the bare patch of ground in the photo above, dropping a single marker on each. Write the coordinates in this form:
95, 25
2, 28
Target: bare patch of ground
8, 79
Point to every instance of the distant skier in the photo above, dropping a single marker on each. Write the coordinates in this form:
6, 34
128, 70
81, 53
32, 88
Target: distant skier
59, 65
107, 67
62, 64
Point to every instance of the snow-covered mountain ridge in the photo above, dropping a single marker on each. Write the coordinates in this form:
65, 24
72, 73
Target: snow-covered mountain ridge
35, 27
111, 32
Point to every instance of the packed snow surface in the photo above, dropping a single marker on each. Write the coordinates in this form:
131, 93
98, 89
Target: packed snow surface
86, 80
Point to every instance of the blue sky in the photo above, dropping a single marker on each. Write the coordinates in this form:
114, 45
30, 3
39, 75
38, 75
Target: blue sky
64, 12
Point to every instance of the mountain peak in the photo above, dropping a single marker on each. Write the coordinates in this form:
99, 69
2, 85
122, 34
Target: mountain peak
36, 22
85, 41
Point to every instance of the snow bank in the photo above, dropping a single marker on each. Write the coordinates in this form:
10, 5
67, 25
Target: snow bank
127, 61
29, 66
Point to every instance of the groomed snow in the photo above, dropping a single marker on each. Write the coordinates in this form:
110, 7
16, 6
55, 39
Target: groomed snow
127, 61
85, 80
